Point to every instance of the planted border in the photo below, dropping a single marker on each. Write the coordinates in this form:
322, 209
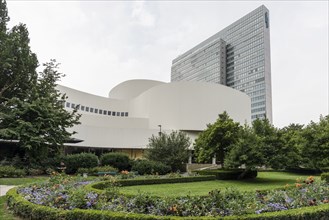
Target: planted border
28, 210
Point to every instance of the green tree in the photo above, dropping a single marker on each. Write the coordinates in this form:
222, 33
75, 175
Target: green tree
292, 143
31, 109
316, 147
170, 149
17, 63
39, 122
246, 151
270, 143
217, 139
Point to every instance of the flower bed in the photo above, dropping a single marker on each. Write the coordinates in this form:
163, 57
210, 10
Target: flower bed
70, 198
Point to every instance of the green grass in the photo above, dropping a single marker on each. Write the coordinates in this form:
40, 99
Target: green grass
23, 180
265, 180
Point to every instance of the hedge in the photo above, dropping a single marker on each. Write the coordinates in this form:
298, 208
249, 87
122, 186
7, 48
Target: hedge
28, 210
135, 182
83, 160
118, 160
150, 167
229, 174
10, 171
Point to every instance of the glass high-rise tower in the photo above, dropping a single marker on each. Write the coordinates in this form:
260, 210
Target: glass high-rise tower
237, 56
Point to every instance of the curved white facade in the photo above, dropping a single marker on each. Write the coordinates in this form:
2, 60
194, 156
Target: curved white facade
136, 108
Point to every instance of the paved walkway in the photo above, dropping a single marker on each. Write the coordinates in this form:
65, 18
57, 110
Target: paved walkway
4, 189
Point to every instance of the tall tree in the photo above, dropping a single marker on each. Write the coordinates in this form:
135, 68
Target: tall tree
217, 139
316, 147
170, 149
39, 122
17, 62
246, 151
31, 109
292, 143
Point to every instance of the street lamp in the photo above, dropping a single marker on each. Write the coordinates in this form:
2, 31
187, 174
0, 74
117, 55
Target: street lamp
160, 130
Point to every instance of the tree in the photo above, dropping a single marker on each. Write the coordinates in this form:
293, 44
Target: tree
217, 139
31, 109
315, 150
170, 149
292, 143
39, 122
246, 151
17, 63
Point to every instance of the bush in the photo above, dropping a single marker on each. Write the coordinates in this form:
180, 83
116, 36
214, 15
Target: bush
120, 161
325, 176
303, 171
10, 171
83, 160
150, 167
95, 170
35, 171
229, 174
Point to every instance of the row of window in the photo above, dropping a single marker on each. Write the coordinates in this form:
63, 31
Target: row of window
260, 116
253, 55
258, 104
258, 98
95, 110
258, 110
253, 40
246, 23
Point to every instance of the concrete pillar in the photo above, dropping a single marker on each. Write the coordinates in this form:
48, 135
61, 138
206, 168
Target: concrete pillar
190, 157
214, 159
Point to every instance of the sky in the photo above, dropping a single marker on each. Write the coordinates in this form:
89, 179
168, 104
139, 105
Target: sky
103, 43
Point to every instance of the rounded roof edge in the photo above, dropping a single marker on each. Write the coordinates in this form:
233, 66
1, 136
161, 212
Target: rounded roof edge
132, 88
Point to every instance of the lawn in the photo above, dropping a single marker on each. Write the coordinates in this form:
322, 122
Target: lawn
265, 180
20, 181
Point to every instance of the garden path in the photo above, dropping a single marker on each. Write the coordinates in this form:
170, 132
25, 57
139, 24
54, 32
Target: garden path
4, 189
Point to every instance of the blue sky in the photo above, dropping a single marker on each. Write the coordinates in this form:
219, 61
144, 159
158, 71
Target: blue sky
102, 43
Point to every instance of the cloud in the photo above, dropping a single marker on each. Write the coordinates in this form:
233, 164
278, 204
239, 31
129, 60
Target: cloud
141, 16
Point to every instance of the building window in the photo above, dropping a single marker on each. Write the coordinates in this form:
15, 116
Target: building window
68, 104
104, 112
108, 112
100, 111
72, 105
113, 113
126, 114
87, 109
118, 113
82, 108
96, 110
91, 109
122, 114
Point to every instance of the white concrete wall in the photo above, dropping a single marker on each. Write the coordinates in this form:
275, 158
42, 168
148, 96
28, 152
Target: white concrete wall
187, 106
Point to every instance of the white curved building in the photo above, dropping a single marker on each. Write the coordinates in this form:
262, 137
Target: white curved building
136, 109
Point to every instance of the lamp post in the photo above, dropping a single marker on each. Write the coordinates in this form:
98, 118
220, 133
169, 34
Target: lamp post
160, 130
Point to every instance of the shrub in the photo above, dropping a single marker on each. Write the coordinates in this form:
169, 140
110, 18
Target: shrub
10, 171
229, 174
306, 171
325, 176
35, 171
83, 160
117, 160
150, 167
